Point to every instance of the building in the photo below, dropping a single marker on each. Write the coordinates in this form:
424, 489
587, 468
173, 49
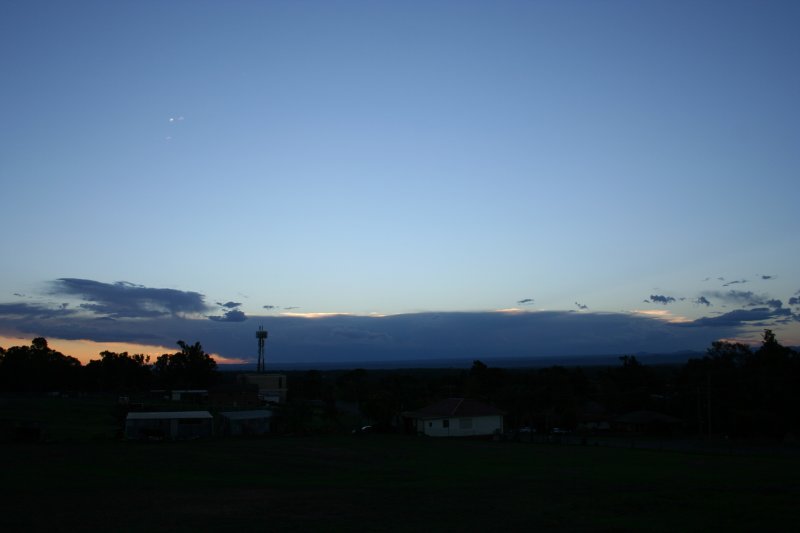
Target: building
237, 395
456, 417
189, 395
272, 388
173, 425
245, 423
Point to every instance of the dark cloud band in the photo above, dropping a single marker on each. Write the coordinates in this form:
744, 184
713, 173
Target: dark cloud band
126, 300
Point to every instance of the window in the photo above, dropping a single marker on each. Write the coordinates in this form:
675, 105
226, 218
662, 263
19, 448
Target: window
464, 423
445, 423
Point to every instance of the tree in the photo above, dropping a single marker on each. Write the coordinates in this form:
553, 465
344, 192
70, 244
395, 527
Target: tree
773, 374
353, 386
119, 372
38, 368
737, 391
483, 382
630, 386
190, 368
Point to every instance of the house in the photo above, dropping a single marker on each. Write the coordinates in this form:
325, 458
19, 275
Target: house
173, 425
456, 417
272, 388
245, 423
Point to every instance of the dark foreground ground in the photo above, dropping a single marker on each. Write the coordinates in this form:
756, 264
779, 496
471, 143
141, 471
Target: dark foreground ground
387, 483
390, 483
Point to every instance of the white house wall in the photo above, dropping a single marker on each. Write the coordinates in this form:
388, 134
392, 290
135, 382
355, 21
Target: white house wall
460, 427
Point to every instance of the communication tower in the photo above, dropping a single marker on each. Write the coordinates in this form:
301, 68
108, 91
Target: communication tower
261, 335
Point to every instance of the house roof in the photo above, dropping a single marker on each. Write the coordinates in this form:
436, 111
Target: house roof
455, 407
168, 415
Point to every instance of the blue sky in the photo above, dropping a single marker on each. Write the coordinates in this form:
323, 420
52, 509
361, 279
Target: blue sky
607, 159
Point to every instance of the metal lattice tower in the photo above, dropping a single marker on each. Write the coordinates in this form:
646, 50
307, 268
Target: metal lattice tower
261, 335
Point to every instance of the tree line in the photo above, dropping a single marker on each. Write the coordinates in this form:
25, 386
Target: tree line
734, 390
39, 368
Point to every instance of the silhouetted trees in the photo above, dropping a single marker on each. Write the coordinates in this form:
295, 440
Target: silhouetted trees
632, 386
736, 391
733, 390
38, 368
190, 368
119, 372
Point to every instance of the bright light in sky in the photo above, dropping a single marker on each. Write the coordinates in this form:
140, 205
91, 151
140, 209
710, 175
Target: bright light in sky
399, 158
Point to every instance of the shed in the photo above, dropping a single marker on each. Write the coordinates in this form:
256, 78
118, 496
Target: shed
172, 425
245, 423
457, 417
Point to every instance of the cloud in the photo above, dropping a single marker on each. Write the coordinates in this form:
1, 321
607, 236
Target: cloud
127, 300
33, 311
234, 315
741, 317
356, 334
658, 298
525, 301
746, 298
735, 282
414, 336
164, 315
732, 296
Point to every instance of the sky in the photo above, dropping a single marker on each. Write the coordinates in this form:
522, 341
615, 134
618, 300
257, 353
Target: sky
399, 180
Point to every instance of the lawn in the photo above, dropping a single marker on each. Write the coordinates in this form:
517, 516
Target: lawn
388, 483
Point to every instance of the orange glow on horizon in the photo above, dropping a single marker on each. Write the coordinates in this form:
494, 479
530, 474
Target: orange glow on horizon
327, 314
662, 314
85, 350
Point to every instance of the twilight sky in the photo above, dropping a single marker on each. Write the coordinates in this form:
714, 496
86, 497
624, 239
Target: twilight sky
453, 178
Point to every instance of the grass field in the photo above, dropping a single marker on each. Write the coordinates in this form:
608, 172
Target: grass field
388, 483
